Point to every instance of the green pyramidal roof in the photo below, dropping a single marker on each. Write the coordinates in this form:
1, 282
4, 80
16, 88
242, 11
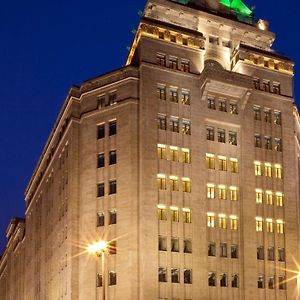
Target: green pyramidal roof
238, 6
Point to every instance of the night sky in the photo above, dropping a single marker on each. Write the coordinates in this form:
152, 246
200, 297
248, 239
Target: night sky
46, 46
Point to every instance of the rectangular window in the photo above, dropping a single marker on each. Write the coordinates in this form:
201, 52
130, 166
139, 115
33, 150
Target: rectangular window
232, 138
280, 226
211, 279
268, 170
222, 192
257, 113
175, 275
174, 184
211, 249
100, 219
99, 280
269, 197
186, 156
187, 274
112, 157
210, 133
256, 83
162, 274
233, 108
210, 161
101, 102
213, 40
234, 165
174, 95
100, 160
211, 220
161, 182
278, 144
279, 199
100, 189
112, 129
112, 217
187, 217
223, 280
101, 131
267, 115
174, 124
268, 143
185, 97
266, 85
221, 136
211, 102
222, 221
226, 44
258, 196
161, 151
112, 99
174, 153
187, 246
260, 282
222, 163
271, 254
235, 281
210, 191
186, 127
270, 226
282, 282
112, 247
161, 92
257, 168
112, 187
173, 63
281, 254
186, 185
277, 117
161, 59
162, 213
260, 255
222, 105
234, 251
174, 244
185, 66
112, 278
162, 243
233, 223
278, 171
276, 88
162, 122
259, 224
223, 250
257, 140
271, 282
174, 214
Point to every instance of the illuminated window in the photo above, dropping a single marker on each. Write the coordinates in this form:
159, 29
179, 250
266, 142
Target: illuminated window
270, 227
222, 221
271, 282
267, 115
277, 117
162, 122
174, 153
232, 138
161, 151
257, 140
259, 224
112, 127
222, 163
162, 274
187, 218
281, 254
260, 253
210, 220
174, 214
174, 244
223, 249
162, 243
233, 108
186, 155
233, 222
174, 184
186, 126
162, 212
269, 197
257, 168
174, 124
101, 131
211, 103
222, 105
271, 253
221, 136
210, 161
258, 196
279, 199
211, 249
186, 185
278, 145
257, 113
175, 275
222, 192
278, 171
210, 191
268, 170
280, 226
235, 281
211, 279
223, 280
174, 95
234, 168
185, 97
260, 282
233, 193
161, 92
210, 133
161, 182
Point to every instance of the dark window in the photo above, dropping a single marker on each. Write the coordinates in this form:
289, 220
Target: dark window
112, 247
271, 254
267, 115
257, 113
162, 274
211, 279
221, 136
277, 117
161, 92
100, 219
223, 280
210, 133
281, 254
276, 88
162, 243
112, 99
268, 143
232, 138
175, 245
112, 127
235, 281
260, 282
257, 140
223, 250
174, 95
112, 279
161, 58
173, 63
256, 83
112, 157
260, 253
113, 217
99, 280
112, 187
211, 104
271, 282
211, 249
282, 282
187, 274
175, 275
222, 105
278, 145
101, 131
234, 251
187, 246
174, 124
100, 189
266, 86
185, 66
101, 160
162, 122
101, 102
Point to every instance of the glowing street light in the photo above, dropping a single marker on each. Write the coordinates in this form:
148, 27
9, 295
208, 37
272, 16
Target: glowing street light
298, 286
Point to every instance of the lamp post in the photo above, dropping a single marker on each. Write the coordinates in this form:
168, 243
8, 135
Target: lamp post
100, 249
298, 286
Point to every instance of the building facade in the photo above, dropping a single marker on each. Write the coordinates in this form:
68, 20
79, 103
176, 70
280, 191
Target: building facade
186, 161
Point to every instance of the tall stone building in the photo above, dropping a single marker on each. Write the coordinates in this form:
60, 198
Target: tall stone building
186, 161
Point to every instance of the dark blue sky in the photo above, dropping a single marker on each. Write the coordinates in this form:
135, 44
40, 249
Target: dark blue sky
46, 46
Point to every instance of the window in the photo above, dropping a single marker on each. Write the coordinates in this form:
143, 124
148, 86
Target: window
162, 243
185, 97
211, 249
266, 85
222, 163
235, 281
162, 122
232, 138
112, 157
186, 156
257, 113
185, 66
260, 282
112, 99
161, 59
268, 170
100, 189
112, 127
174, 124
222, 105
234, 168
211, 279
210, 191
279, 199
277, 117
222, 221
221, 136
233, 223
223, 280
268, 143
234, 251
226, 44
267, 115
187, 218
271, 254
174, 184
187, 273
223, 250
280, 226
174, 95
174, 214
259, 224
100, 160
210, 161
175, 275
271, 282
112, 187
278, 145
256, 83
174, 153
269, 197
281, 254
101, 131
210, 133
112, 278
112, 247
270, 227
100, 219
278, 171
161, 151
282, 282
161, 182
99, 280
161, 213
211, 102
210, 220
260, 253
186, 185
257, 140
161, 92
186, 127
233, 108
187, 246
173, 63
257, 168
214, 40
162, 274
222, 192
112, 217
258, 196
276, 88
174, 244
101, 101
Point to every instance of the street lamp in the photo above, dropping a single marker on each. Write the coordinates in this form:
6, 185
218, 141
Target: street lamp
298, 286
99, 249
